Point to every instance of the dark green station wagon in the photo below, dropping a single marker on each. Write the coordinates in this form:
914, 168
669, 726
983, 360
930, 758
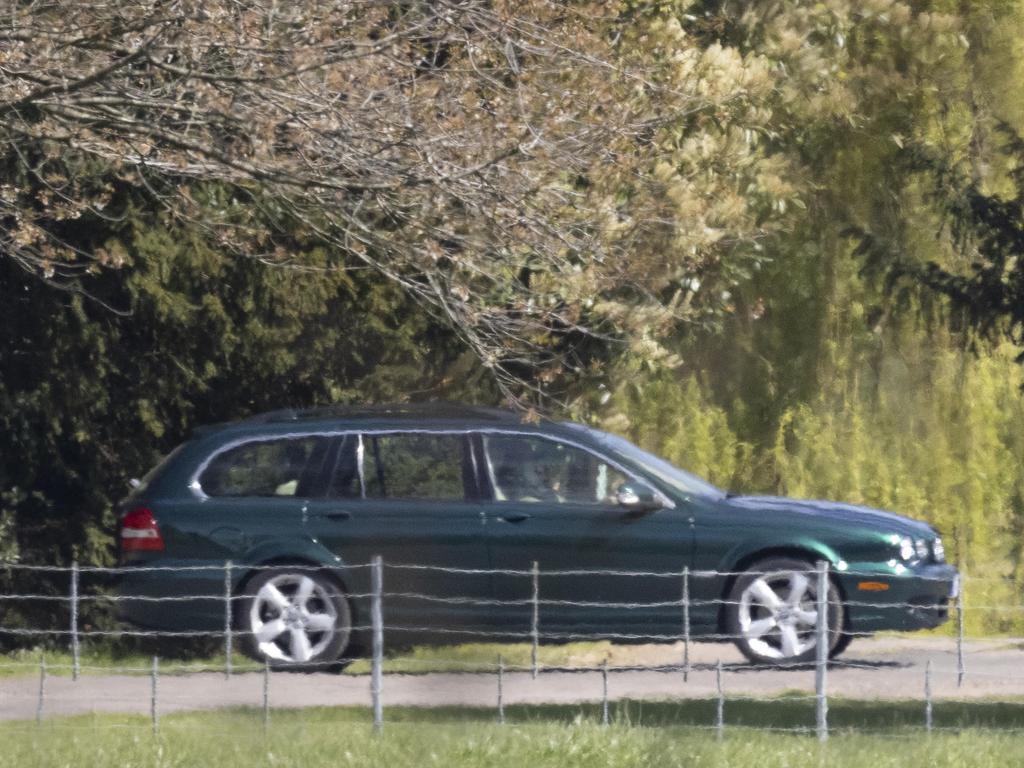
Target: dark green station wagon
461, 502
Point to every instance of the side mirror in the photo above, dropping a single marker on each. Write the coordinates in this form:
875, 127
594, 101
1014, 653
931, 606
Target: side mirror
637, 497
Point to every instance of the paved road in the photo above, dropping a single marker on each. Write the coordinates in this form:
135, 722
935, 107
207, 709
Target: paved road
877, 668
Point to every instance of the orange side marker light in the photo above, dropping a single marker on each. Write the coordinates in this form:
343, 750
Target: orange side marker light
872, 586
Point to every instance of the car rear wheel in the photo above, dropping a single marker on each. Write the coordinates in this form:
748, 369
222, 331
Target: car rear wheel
772, 612
295, 618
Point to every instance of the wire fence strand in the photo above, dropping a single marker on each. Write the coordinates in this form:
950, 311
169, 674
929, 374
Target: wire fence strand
537, 607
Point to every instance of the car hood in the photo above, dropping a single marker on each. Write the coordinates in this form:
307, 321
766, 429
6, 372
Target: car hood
877, 519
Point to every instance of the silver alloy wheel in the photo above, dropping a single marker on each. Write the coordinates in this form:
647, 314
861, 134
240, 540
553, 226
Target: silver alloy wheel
293, 618
778, 615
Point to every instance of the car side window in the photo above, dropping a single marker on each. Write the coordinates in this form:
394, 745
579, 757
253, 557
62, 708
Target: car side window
283, 467
533, 469
414, 466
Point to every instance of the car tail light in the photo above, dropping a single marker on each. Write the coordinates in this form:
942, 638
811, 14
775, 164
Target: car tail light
140, 533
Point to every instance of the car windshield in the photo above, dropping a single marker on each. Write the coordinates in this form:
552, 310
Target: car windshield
656, 466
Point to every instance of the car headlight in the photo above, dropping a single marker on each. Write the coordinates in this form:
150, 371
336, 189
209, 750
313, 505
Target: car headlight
906, 549
938, 550
913, 550
921, 549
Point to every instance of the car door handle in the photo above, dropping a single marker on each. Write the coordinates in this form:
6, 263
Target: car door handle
515, 517
338, 514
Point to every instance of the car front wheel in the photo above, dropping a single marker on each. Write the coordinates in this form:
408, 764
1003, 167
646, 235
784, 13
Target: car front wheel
294, 618
772, 612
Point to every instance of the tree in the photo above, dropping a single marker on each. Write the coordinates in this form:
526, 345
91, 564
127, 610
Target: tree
833, 385
852, 82
987, 228
544, 178
90, 397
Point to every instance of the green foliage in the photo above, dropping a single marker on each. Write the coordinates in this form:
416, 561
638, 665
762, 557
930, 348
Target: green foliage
987, 228
677, 421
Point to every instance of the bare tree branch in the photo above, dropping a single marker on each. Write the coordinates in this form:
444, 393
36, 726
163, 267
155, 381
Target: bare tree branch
533, 172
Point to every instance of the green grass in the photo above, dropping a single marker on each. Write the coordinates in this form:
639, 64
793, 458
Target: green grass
660, 735
484, 657
101, 659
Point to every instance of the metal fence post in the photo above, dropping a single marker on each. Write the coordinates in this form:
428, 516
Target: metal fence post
377, 621
928, 696
960, 669
75, 659
154, 714
501, 702
720, 710
686, 624
266, 695
822, 648
227, 619
604, 692
42, 690
535, 623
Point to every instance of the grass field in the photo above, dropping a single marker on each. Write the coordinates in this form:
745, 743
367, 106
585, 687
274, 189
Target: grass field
465, 657
650, 734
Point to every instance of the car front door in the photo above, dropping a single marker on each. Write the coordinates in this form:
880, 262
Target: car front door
718, 529
555, 503
412, 498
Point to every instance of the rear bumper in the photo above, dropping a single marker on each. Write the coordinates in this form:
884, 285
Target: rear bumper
915, 599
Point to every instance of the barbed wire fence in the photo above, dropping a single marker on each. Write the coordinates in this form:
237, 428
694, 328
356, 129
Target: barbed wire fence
536, 635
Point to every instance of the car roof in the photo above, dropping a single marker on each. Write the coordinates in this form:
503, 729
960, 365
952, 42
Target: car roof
441, 413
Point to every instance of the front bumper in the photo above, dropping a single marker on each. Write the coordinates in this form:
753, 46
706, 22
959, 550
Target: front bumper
879, 599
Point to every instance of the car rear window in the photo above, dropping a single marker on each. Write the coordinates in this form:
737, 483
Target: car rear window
155, 472
282, 467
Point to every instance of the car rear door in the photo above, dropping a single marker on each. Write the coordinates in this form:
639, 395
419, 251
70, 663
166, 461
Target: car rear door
412, 498
554, 503
248, 495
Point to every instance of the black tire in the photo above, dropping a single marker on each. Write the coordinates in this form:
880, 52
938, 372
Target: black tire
841, 644
789, 635
278, 604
